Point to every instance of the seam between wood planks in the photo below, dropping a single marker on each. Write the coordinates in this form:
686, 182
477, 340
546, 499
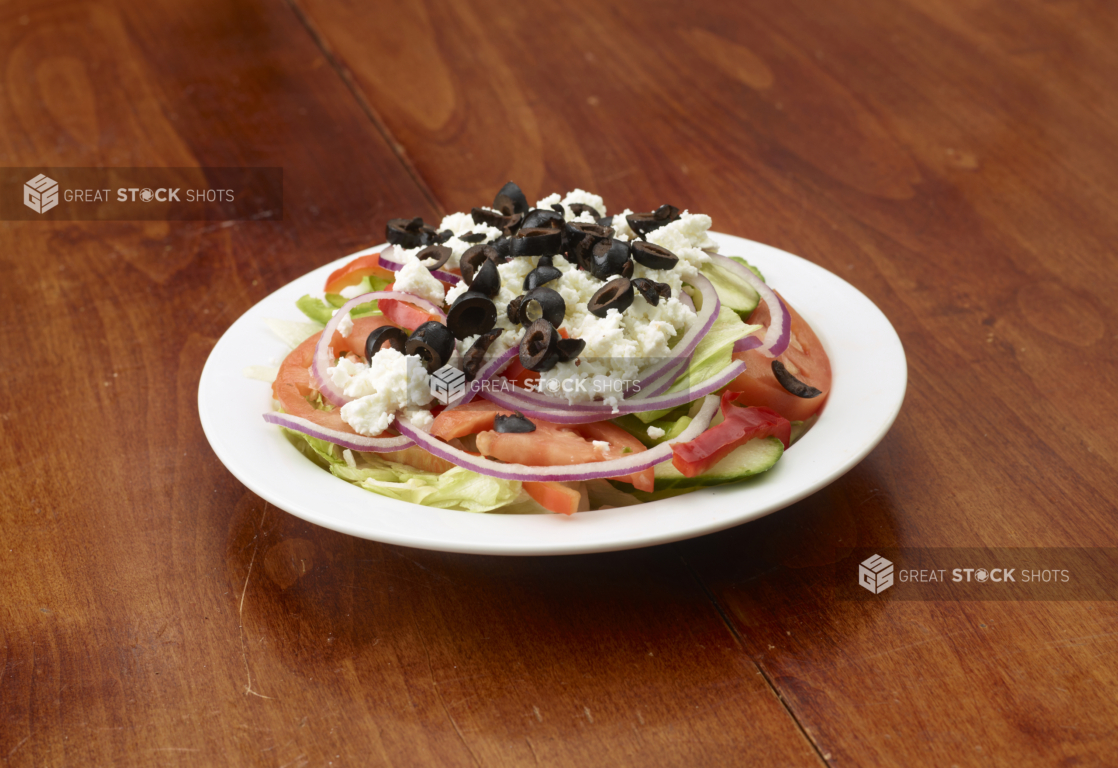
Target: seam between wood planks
741, 644
366, 106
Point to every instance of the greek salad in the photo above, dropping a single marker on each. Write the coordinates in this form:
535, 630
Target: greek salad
549, 358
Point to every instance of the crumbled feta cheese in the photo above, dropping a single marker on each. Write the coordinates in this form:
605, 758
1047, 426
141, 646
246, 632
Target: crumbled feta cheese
601, 446
462, 224
420, 418
656, 433
415, 278
389, 383
687, 238
345, 326
619, 345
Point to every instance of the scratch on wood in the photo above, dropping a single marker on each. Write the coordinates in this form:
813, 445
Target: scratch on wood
16, 747
241, 613
533, 749
589, 716
538, 715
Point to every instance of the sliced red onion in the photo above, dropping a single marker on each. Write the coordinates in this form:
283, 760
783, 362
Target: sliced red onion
586, 413
388, 261
344, 439
686, 300
780, 321
322, 355
704, 321
488, 371
749, 342
628, 465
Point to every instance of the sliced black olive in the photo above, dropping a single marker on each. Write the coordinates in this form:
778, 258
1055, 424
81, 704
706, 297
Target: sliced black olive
510, 200
443, 236
643, 223
608, 257
475, 355
471, 314
653, 256
627, 269
652, 290
473, 259
513, 309
503, 246
616, 294
408, 233
433, 344
434, 256
536, 241
539, 347
487, 280
580, 208
386, 334
545, 261
543, 273
792, 384
569, 349
472, 237
606, 221
581, 238
516, 423
542, 303
557, 208
543, 219
506, 224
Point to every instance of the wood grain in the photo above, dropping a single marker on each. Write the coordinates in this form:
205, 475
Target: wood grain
952, 160
152, 611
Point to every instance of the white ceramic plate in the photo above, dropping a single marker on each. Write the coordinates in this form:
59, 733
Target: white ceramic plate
867, 362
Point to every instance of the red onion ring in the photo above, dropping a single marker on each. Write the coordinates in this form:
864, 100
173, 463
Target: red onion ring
344, 439
488, 371
637, 462
582, 413
780, 323
389, 263
323, 357
749, 342
704, 321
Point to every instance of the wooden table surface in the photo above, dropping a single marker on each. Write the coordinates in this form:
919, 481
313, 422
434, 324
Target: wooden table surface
956, 161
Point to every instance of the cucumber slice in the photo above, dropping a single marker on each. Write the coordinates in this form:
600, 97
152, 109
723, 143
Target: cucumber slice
753, 458
734, 293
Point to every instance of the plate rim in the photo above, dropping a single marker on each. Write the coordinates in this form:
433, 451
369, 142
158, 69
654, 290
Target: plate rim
422, 527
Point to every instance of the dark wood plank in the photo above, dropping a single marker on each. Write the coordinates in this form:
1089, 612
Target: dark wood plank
955, 162
154, 612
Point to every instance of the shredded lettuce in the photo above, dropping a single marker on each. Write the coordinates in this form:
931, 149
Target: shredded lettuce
457, 488
292, 332
710, 357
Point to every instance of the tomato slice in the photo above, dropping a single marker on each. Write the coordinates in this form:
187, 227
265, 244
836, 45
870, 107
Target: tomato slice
739, 426
356, 271
469, 419
293, 386
561, 498
805, 359
550, 445
355, 341
402, 314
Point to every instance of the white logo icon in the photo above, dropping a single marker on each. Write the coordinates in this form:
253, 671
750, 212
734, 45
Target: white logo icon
40, 194
875, 574
447, 383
